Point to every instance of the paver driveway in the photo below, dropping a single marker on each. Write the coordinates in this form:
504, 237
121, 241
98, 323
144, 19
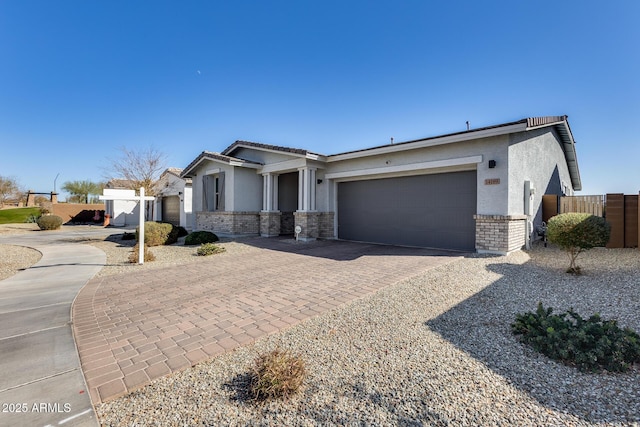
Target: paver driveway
131, 329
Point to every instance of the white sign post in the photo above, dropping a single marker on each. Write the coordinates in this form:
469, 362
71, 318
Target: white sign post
141, 199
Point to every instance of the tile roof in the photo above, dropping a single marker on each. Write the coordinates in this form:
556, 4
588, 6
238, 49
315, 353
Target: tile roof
291, 150
560, 122
530, 122
210, 155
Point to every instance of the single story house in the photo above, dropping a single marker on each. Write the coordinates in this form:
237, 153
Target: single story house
173, 202
479, 189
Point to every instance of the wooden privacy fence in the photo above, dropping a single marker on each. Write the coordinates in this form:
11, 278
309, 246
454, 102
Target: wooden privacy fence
621, 211
593, 205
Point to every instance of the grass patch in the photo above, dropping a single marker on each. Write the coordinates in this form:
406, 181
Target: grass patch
17, 215
277, 374
134, 256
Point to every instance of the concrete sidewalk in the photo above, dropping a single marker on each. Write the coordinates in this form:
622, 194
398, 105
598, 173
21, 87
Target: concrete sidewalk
41, 382
131, 329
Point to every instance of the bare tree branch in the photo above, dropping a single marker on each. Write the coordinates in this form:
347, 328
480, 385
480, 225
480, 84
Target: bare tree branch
9, 189
137, 168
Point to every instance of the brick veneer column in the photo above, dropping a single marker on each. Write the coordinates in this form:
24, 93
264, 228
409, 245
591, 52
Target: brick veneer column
270, 223
308, 221
500, 234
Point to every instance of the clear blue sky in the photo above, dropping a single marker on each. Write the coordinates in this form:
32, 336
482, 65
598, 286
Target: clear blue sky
78, 79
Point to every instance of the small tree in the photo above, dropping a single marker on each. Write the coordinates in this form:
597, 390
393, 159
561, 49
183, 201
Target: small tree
576, 233
9, 189
81, 190
137, 169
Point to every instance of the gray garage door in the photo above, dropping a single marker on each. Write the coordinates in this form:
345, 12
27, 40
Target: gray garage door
425, 210
171, 209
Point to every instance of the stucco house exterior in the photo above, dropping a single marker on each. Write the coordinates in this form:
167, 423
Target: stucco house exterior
480, 189
173, 202
122, 213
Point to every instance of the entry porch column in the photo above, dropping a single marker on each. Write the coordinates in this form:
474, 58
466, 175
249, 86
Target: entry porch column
270, 215
306, 217
269, 192
306, 189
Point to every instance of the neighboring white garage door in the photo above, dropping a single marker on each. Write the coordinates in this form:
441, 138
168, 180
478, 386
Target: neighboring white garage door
171, 209
424, 210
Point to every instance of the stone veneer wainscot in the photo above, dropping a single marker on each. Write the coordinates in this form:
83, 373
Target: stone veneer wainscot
229, 222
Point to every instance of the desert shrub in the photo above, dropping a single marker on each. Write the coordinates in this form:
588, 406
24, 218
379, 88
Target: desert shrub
200, 237
158, 233
33, 219
590, 345
576, 233
277, 374
209, 249
128, 236
134, 255
181, 231
49, 222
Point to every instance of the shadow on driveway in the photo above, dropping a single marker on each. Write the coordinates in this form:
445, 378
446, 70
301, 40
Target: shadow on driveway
341, 250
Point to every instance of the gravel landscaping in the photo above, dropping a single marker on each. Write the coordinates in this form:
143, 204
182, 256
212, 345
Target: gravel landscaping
16, 258
433, 350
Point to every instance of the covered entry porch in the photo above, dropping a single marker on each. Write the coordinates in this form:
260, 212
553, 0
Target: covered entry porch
289, 200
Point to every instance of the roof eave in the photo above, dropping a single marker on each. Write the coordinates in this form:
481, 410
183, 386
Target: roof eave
206, 156
569, 148
429, 142
294, 152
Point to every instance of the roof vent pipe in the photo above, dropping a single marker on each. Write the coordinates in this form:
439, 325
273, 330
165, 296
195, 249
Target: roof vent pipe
392, 140
468, 126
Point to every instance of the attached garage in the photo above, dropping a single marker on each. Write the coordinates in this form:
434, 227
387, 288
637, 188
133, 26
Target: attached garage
423, 210
171, 209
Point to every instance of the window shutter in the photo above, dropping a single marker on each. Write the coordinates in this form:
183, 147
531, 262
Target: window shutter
220, 206
209, 192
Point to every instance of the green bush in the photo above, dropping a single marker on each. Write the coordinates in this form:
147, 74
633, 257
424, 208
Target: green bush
134, 256
49, 222
33, 219
277, 374
209, 249
181, 231
200, 237
591, 345
576, 233
158, 233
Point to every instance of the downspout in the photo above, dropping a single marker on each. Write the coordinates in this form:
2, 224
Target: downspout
529, 192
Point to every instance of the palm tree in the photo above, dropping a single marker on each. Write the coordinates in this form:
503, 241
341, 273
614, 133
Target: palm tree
80, 190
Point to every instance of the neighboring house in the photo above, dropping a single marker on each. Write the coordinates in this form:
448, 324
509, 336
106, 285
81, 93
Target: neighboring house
479, 189
124, 213
173, 199
121, 212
